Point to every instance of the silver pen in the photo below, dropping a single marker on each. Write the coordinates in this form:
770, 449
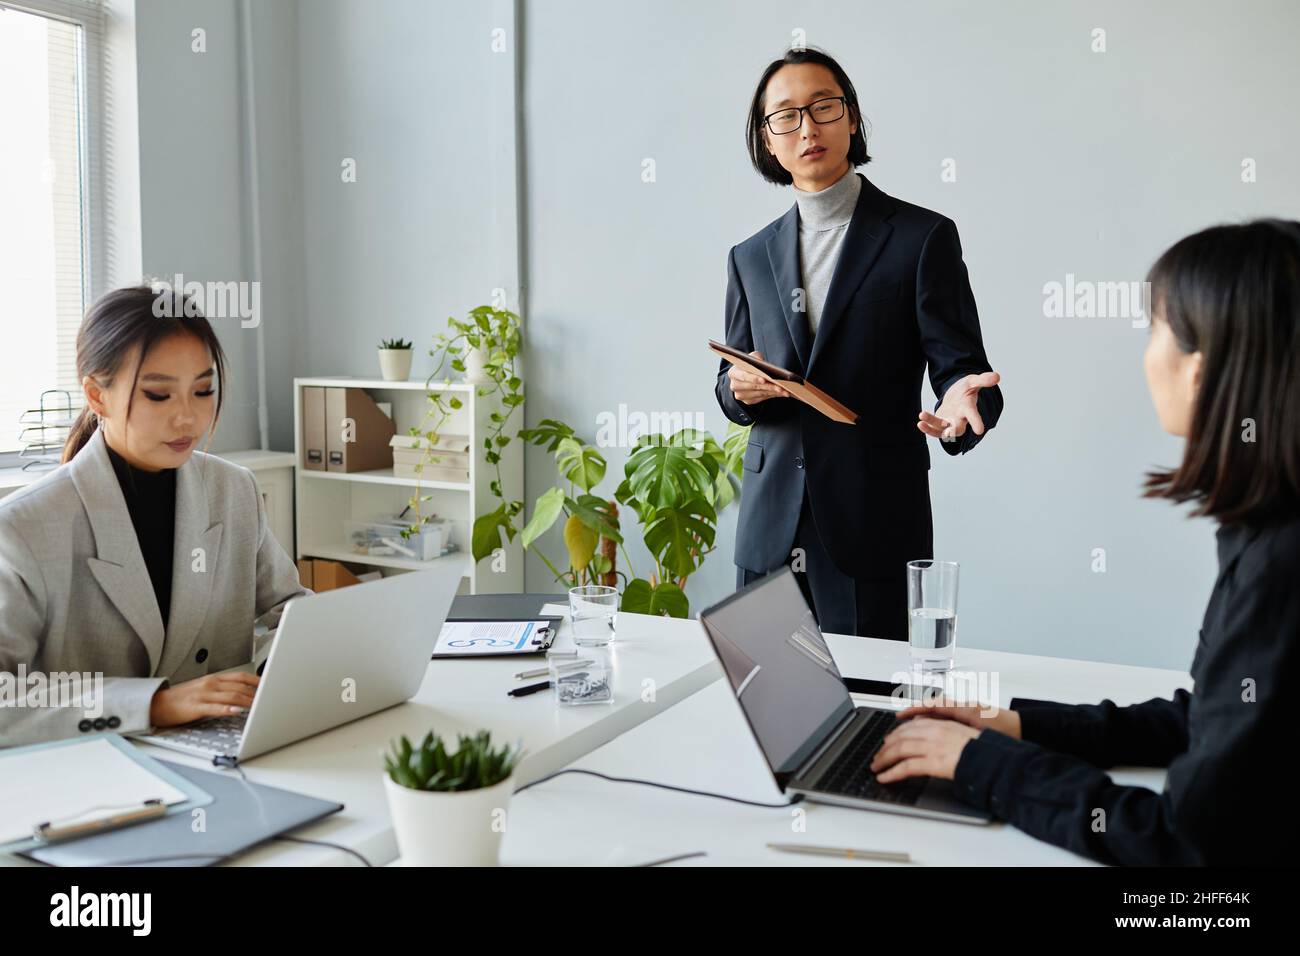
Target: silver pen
850, 854
543, 671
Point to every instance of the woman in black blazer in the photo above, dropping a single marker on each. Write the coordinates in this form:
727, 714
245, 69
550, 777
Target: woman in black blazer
1223, 367
858, 292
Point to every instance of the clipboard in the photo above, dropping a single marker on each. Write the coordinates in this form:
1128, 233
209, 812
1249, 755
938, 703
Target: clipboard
114, 816
496, 636
792, 382
242, 815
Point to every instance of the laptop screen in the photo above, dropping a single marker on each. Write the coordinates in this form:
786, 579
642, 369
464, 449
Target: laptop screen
779, 668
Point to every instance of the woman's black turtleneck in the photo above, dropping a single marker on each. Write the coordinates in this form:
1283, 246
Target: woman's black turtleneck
151, 500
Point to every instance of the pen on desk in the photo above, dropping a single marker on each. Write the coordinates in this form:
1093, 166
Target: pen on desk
539, 671
529, 689
846, 852
53, 833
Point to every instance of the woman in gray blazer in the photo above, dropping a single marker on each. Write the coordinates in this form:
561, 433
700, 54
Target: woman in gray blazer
140, 564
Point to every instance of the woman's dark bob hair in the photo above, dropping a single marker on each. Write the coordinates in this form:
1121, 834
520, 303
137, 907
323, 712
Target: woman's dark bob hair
1233, 294
118, 322
764, 161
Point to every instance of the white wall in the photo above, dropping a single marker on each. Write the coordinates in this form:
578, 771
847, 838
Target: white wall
1068, 161
192, 183
402, 87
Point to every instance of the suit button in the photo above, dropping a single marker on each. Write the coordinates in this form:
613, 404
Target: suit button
100, 723
798, 462
114, 723
85, 726
202, 655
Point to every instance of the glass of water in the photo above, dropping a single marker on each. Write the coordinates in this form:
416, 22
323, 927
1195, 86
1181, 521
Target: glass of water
932, 613
593, 612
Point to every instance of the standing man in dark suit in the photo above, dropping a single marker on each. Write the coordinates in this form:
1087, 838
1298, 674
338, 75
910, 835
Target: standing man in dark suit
858, 292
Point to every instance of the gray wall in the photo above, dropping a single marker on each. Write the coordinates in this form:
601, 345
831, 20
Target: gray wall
400, 86
1068, 161
192, 179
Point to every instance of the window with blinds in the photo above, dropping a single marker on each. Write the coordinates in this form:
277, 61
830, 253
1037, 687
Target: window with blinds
48, 57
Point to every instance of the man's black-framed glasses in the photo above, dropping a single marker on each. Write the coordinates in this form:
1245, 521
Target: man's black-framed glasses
788, 120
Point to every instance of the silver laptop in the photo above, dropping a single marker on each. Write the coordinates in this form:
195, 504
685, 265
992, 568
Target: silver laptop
336, 657
817, 742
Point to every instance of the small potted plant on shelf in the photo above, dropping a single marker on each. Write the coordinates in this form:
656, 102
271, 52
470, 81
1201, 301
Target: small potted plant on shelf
395, 359
449, 807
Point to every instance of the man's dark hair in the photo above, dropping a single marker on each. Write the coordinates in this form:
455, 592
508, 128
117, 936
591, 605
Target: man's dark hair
765, 162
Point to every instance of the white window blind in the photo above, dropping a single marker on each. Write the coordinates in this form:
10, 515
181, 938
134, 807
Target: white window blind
50, 198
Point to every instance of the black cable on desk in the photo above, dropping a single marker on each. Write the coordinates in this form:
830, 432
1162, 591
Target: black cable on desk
336, 846
590, 773
673, 859
662, 786
232, 764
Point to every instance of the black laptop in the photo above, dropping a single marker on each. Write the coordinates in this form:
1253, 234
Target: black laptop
817, 742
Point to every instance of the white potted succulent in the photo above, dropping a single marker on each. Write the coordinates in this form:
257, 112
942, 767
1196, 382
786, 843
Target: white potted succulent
449, 808
395, 359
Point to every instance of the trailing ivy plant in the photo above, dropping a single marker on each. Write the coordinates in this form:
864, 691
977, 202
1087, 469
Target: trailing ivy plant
496, 334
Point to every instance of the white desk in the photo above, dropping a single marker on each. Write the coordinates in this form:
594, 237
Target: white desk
692, 735
464, 696
703, 743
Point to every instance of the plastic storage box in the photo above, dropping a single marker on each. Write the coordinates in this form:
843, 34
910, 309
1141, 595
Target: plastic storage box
382, 537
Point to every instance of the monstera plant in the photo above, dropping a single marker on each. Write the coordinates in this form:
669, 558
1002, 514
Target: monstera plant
674, 484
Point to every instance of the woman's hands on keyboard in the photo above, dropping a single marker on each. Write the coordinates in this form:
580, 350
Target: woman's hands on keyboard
930, 738
923, 747
213, 695
1002, 719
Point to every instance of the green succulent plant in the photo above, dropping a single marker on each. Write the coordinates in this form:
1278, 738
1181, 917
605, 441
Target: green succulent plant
396, 344
473, 765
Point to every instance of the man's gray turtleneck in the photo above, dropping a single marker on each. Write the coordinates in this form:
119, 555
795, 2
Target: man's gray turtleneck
823, 220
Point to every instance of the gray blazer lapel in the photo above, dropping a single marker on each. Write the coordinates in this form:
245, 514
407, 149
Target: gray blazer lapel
867, 234
118, 566
783, 256
194, 563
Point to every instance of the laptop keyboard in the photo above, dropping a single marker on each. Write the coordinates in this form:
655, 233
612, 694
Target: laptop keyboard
217, 735
851, 774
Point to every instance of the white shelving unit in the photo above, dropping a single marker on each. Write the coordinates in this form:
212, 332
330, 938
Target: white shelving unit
326, 499
273, 472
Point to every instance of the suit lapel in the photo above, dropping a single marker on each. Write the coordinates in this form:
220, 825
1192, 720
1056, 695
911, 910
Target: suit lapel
195, 557
865, 237
783, 256
118, 565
